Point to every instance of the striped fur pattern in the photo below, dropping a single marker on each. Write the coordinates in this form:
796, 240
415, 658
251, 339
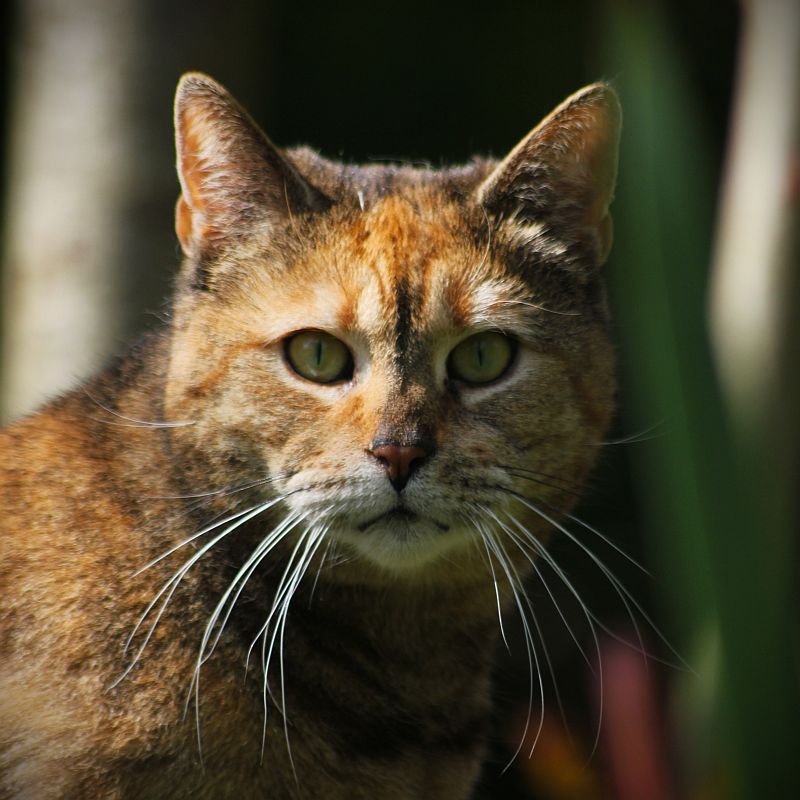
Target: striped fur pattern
210, 587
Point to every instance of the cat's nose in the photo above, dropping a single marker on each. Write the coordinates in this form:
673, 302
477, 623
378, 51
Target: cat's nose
400, 461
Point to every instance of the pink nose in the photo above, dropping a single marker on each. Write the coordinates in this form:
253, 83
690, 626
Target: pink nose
399, 462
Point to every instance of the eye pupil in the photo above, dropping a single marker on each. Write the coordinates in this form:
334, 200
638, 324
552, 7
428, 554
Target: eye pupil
319, 357
482, 358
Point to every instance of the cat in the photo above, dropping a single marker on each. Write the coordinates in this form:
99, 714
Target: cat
378, 391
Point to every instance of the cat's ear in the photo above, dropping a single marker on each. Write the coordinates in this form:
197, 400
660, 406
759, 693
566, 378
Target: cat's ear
231, 174
563, 172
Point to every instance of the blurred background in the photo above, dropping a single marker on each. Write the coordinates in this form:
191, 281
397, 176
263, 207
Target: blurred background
699, 479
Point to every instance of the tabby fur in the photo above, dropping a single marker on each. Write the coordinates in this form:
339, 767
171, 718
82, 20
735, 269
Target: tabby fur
379, 680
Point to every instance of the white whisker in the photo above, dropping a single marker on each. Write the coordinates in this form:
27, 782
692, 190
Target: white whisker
537, 307
171, 585
240, 580
609, 542
644, 435
225, 492
542, 551
132, 422
319, 570
533, 656
237, 585
287, 586
496, 589
314, 541
515, 583
257, 508
625, 596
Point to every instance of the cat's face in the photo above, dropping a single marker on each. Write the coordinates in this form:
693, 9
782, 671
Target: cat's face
408, 356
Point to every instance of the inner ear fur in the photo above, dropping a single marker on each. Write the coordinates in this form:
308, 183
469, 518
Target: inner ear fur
564, 171
231, 174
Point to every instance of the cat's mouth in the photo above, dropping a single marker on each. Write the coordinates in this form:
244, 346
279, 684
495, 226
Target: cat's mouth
401, 538
396, 514
399, 514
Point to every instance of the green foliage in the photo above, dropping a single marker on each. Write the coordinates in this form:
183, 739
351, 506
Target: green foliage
717, 530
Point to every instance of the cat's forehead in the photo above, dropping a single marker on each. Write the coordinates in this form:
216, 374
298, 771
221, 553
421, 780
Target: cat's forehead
402, 266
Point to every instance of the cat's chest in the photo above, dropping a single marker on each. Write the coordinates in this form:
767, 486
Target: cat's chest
397, 711
334, 728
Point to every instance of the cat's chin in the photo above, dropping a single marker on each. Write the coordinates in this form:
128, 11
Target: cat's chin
404, 544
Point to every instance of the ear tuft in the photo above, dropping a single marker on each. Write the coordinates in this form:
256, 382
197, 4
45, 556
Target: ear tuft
231, 174
564, 171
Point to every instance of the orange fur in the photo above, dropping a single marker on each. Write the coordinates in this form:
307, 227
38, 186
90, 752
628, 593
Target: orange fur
382, 687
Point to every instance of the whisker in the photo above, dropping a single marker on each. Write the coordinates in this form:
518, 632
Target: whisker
490, 543
542, 639
171, 585
537, 307
319, 570
591, 618
613, 580
132, 422
240, 579
283, 595
625, 596
496, 589
539, 547
643, 435
608, 541
533, 656
542, 479
279, 594
224, 492
315, 539
337, 557
263, 506
488, 239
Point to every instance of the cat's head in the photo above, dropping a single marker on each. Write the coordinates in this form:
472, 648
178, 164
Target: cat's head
410, 356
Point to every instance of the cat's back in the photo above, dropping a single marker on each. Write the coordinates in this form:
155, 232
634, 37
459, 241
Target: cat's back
46, 471
68, 547
79, 461
58, 482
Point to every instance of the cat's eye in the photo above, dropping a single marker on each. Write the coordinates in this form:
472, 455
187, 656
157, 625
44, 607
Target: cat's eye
319, 357
481, 358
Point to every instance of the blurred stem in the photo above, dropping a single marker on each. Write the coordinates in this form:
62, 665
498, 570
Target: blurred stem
754, 297
754, 305
719, 535
753, 261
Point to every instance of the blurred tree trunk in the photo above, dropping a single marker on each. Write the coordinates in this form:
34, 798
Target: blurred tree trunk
70, 173
89, 242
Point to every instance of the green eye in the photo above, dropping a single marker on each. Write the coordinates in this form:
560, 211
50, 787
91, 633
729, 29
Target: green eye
320, 357
482, 358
